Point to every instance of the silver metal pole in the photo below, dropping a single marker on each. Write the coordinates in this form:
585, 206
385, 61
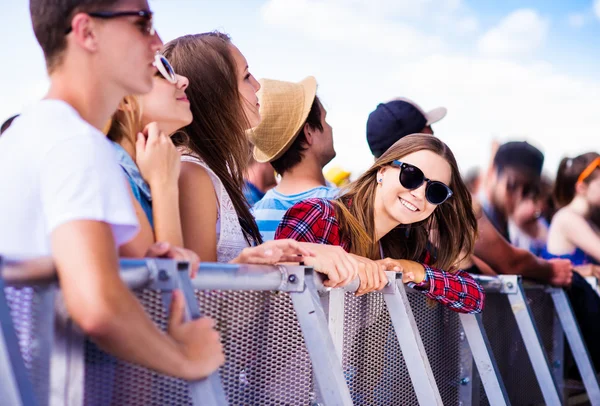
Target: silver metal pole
578, 347
531, 338
327, 367
175, 275
410, 342
219, 276
484, 359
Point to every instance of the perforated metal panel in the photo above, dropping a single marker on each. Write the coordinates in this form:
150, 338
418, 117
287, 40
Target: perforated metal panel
373, 363
442, 335
25, 309
509, 349
267, 362
113, 382
375, 370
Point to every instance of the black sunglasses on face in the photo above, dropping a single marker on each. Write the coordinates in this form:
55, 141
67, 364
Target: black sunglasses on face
412, 178
146, 25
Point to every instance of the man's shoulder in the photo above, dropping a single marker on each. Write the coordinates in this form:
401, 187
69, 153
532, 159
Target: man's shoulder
48, 123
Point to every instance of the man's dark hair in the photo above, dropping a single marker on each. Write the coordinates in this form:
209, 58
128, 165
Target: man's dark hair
293, 156
7, 124
51, 20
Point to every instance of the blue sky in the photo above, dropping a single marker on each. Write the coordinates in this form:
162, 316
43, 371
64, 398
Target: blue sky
505, 70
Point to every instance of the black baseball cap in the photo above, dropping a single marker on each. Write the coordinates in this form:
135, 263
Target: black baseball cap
395, 119
520, 155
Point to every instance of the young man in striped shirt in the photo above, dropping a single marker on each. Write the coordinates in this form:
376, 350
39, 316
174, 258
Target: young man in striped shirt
296, 139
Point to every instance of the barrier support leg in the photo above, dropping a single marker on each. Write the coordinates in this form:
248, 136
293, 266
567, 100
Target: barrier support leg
170, 276
472, 325
531, 338
578, 347
327, 367
410, 342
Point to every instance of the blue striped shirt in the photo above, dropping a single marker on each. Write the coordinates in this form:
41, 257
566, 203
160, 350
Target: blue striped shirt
269, 210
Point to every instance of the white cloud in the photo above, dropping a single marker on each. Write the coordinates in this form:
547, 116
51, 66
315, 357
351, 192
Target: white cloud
521, 32
597, 8
576, 20
486, 99
333, 21
396, 26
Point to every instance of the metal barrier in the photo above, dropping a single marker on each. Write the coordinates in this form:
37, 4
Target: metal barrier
288, 340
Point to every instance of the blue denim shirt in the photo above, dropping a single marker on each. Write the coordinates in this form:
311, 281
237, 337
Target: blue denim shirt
139, 187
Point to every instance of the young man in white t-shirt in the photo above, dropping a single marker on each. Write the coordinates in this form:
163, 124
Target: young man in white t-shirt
64, 195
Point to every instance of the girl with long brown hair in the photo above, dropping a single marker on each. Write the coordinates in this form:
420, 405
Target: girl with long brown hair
216, 218
215, 215
412, 195
141, 131
573, 234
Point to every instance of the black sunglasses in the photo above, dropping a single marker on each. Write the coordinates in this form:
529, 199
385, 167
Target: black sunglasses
528, 189
412, 178
147, 28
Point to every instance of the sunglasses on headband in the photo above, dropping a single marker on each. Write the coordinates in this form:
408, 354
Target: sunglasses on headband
164, 68
412, 178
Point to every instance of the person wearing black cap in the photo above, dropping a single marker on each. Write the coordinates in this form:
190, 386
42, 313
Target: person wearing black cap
396, 119
515, 174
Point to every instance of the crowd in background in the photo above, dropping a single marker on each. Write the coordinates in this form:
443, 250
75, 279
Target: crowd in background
148, 149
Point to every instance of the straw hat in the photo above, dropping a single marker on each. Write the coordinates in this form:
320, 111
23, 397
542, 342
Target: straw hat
284, 108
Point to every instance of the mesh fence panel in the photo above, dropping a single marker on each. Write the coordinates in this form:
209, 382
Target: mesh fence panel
267, 362
509, 349
26, 312
442, 336
375, 369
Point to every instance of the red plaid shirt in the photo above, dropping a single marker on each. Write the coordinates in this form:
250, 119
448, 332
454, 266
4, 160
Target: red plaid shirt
315, 221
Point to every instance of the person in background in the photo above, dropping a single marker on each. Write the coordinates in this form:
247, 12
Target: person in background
396, 119
472, 179
390, 211
577, 192
76, 207
215, 217
259, 179
516, 173
527, 224
337, 176
295, 137
7, 124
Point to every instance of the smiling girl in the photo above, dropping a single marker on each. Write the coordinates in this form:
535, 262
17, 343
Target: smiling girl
392, 210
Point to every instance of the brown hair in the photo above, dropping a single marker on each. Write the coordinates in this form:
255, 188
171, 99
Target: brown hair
52, 18
218, 133
454, 219
567, 175
294, 154
126, 122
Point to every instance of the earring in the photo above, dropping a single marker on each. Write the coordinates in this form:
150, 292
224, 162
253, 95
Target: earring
379, 180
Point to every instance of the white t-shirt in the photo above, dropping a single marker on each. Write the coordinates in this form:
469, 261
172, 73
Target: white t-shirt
55, 168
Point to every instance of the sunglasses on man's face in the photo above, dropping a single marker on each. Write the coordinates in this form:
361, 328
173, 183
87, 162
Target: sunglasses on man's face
528, 189
412, 178
144, 23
